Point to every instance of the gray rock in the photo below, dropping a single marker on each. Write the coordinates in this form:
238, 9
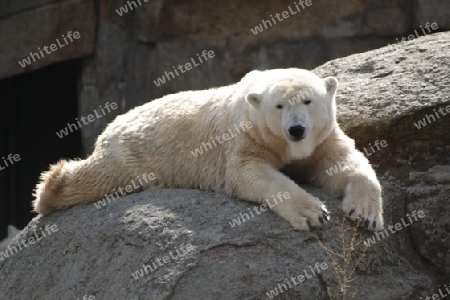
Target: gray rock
8, 8
383, 93
333, 18
96, 251
433, 11
430, 191
27, 32
396, 83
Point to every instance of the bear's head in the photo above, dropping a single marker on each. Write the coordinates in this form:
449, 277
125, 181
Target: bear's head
293, 104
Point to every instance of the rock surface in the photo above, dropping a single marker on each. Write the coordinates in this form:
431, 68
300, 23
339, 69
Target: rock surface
383, 94
30, 31
96, 251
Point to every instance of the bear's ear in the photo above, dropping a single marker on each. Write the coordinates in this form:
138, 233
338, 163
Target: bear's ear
331, 83
253, 98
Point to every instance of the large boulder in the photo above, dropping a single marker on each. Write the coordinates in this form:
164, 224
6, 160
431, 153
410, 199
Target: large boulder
183, 244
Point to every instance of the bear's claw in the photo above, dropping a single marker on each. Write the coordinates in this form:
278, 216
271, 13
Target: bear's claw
326, 215
371, 219
307, 215
366, 223
309, 225
351, 211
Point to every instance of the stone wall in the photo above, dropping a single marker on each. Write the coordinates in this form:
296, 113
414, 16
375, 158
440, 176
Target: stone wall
125, 54
30, 27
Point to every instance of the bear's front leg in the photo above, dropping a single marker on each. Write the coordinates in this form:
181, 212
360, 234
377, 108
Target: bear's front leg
362, 199
259, 182
338, 167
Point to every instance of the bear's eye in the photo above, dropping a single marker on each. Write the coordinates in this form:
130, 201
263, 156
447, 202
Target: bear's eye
279, 106
307, 102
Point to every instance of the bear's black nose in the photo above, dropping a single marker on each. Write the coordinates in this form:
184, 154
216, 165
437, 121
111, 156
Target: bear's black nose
297, 132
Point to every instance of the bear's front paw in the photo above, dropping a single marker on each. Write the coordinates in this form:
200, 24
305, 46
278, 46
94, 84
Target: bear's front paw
307, 214
366, 208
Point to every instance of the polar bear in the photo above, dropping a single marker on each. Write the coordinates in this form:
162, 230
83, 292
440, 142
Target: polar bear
289, 117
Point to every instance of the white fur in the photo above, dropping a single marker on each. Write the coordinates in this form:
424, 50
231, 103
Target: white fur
158, 138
